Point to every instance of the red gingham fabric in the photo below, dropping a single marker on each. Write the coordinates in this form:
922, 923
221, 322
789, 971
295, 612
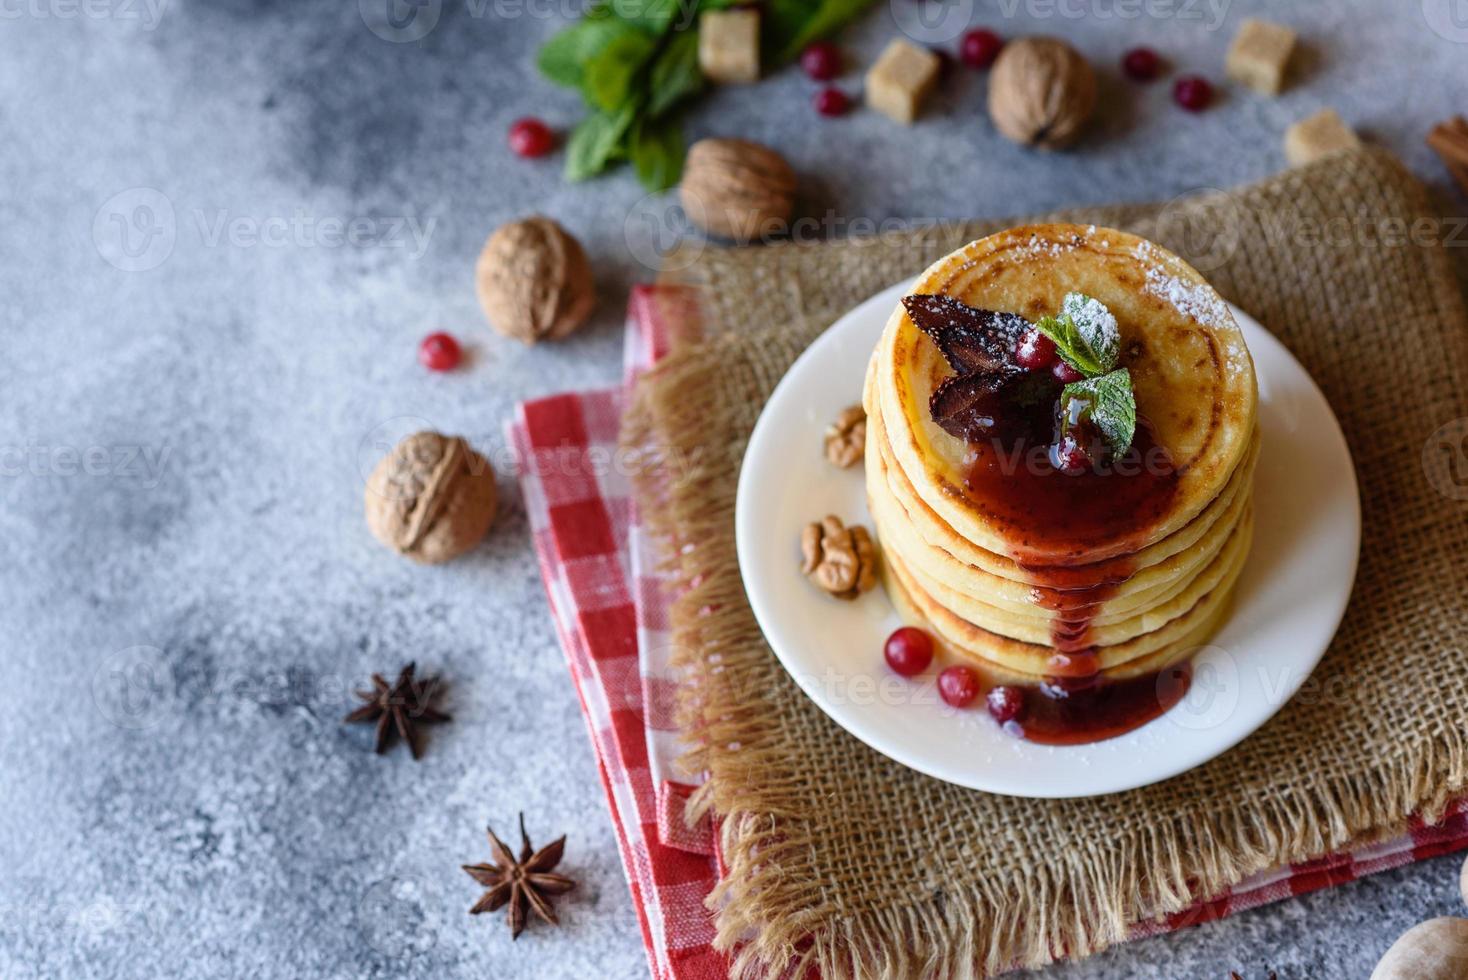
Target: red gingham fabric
610, 608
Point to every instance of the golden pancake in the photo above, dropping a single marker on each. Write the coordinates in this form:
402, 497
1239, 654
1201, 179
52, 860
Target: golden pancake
1191, 371
1002, 657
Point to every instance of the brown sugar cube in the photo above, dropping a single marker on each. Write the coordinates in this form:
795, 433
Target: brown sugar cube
1258, 56
728, 45
901, 79
1310, 139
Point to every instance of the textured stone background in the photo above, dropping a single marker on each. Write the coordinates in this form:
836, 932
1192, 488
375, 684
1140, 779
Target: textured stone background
187, 587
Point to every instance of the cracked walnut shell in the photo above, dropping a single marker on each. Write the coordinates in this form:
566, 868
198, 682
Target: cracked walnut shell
840, 560
846, 438
1041, 92
534, 281
432, 498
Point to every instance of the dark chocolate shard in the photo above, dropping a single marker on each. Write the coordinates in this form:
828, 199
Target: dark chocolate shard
993, 405
970, 339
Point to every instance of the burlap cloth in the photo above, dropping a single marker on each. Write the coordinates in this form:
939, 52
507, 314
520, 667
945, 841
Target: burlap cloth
839, 857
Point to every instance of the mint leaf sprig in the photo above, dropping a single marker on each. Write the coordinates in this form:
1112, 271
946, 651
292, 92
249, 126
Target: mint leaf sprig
635, 63
1087, 338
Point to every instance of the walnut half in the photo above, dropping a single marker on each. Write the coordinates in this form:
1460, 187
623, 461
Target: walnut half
840, 560
846, 438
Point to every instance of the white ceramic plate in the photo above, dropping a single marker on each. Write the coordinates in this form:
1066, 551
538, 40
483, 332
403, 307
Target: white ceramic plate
1290, 598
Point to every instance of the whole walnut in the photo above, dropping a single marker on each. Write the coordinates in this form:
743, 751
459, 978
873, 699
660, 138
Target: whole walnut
737, 190
432, 498
1041, 92
534, 281
1433, 950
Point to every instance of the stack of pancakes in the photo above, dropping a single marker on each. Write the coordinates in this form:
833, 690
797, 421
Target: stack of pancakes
1098, 588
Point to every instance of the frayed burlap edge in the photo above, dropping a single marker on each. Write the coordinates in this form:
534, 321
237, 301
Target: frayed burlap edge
779, 923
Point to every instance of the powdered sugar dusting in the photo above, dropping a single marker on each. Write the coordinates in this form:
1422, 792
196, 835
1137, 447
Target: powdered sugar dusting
1194, 300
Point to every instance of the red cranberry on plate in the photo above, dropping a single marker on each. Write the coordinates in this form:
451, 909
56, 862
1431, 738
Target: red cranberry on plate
909, 651
1192, 93
1036, 352
980, 47
959, 686
531, 138
1005, 703
1141, 64
439, 352
821, 61
832, 102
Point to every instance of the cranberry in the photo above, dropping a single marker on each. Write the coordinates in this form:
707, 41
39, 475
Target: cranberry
1141, 64
531, 138
1192, 93
1005, 703
1036, 352
821, 61
980, 48
1069, 456
959, 686
439, 352
1064, 373
832, 102
909, 651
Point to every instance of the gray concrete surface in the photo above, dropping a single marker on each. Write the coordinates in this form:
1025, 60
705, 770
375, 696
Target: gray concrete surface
193, 368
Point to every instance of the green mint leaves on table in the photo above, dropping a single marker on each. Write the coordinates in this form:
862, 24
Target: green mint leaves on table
635, 63
1087, 338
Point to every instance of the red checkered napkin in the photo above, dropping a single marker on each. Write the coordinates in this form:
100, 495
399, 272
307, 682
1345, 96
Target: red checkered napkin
611, 610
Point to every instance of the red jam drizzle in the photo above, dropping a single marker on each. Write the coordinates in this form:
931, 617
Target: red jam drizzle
1060, 713
1109, 506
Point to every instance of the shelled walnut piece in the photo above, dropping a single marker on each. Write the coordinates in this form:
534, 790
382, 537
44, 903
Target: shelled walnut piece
840, 560
1259, 55
728, 46
534, 281
846, 438
1449, 140
901, 80
1316, 136
432, 498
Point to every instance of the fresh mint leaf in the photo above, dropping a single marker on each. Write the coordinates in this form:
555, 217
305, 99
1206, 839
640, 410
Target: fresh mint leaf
612, 73
1070, 344
1096, 326
1112, 406
675, 74
657, 153
650, 15
594, 142
564, 57
828, 17
1085, 333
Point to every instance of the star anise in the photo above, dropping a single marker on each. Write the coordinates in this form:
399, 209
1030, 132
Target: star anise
399, 706
524, 884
